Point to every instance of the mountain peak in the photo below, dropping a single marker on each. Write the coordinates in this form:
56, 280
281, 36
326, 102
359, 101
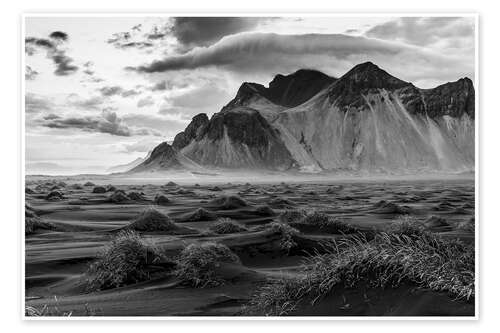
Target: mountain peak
299, 75
285, 90
348, 90
368, 75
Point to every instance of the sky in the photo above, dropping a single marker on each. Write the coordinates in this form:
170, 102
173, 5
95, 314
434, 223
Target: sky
102, 91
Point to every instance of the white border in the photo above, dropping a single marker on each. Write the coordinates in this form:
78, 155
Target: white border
103, 13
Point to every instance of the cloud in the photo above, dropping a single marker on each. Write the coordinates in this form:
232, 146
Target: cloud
40, 42
51, 116
184, 32
203, 31
36, 103
146, 101
109, 91
138, 45
426, 31
201, 96
160, 86
141, 146
90, 75
171, 84
64, 63
168, 127
85, 103
30, 74
89, 68
132, 39
333, 53
107, 122
208, 98
129, 93
59, 35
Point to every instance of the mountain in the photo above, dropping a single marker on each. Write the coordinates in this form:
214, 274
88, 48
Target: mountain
285, 90
125, 167
367, 120
165, 157
239, 138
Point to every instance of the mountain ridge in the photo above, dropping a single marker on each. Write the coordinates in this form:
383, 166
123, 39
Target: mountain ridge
367, 120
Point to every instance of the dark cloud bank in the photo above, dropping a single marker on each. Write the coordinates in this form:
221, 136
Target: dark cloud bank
333, 53
204, 31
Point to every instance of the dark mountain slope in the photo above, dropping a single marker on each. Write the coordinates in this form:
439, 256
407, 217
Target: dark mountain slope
285, 90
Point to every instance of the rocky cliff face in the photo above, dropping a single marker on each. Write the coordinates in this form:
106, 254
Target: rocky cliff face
239, 138
367, 120
193, 131
370, 120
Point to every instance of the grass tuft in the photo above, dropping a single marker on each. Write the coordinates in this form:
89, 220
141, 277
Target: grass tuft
152, 220
287, 233
229, 202
124, 261
316, 221
226, 226
406, 225
32, 222
389, 260
467, 225
198, 264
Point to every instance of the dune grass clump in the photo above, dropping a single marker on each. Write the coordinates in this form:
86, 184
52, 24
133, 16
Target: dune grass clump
200, 214
385, 207
316, 221
389, 260
281, 203
45, 311
118, 196
264, 210
124, 261
198, 264
467, 225
324, 222
32, 222
161, 200
287, 233
137, 196
292, 215
229, 202
54, 195
111, 188
215, 189
437, 223
406, 225
99, 189
152, 220
225, 225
